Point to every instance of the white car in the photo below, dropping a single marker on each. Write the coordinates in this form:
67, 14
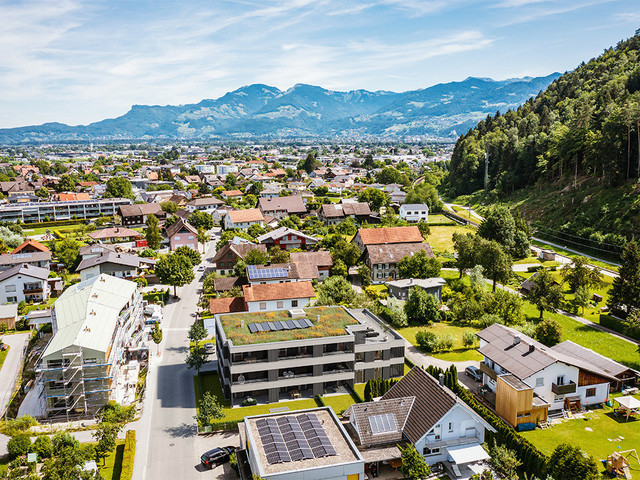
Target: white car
201, 268
209, 348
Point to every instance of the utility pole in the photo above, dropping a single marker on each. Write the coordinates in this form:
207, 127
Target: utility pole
486, 170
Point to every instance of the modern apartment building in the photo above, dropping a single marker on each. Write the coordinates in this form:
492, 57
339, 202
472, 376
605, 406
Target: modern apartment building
303, 351
94, 323
35, 212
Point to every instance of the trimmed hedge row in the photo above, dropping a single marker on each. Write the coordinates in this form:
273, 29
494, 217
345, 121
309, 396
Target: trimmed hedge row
533, 460
620, 326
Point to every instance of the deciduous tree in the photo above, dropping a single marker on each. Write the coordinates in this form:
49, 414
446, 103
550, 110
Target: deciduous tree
175, 270
544, 292
118, 187
335, 290
413, 465
152, 233
419, 265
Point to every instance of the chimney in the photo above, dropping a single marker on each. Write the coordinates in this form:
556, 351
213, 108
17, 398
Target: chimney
516, 339
441, 379
532, 347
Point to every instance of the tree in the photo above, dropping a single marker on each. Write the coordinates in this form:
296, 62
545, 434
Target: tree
364, 273
582, 297
398, 317
421, 307
310, 163
496, 262
424, 228
67, 183
413, 465
10, 238
580, 275
195, 359
335, 290
192, 255
42, 193
549, 332
230, 181
19, 445
175, 270
256, 257
625, 293
68, 460
505, 461
118, 187
152, 233
105, 436
43, 447
375, 198
200, 219
499, 225
568, 462
544, 292
347, 227
339, 268
507, 305
419, 266
279, 255
209, 408
156, 335
169, 207
467, 247
349, 253
67, 251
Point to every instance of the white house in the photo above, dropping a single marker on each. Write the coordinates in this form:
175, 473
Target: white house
205, 168
24, 283
243, 218
277, 296
414, 212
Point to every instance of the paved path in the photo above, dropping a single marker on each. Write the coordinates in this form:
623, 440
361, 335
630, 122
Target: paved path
11, 367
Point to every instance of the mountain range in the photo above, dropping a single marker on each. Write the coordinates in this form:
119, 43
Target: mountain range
304, 111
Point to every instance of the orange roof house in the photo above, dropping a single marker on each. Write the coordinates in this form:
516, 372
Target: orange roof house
30, 246
278, 291
68, 196
387, 235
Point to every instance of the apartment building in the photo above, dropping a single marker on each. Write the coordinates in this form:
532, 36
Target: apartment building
94, 323
35, 212
303, 351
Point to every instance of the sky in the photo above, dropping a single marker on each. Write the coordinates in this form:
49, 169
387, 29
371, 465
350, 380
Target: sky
77, 61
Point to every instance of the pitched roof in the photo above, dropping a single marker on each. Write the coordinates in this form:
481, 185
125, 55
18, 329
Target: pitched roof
13, 259
291, 204
115, 258
141, 209
223, 284
360, 413
25, 269
281, 232
593, 359
179, 225
96, 249
232, 193
203, 201
240, 249
377, 236
432, 401
227, 305
30, 243
393, 253
321, 258
278, 291
249, 215
343, 209
114, 232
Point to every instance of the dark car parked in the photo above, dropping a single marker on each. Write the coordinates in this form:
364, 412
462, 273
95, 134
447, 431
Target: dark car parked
216, 457
473, 372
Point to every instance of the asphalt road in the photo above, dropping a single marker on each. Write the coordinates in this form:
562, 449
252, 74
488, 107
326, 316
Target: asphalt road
168, 445
11, 366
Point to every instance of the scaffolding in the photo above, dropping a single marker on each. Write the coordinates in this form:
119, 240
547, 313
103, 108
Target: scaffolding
77, 388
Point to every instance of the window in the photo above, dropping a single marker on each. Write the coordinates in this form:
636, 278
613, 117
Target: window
430, 451
280, 304
10, 288
450, 427
591, 392
190, 237
294, 303
540, 382
560, 380
12, 299
263, 305
527, 414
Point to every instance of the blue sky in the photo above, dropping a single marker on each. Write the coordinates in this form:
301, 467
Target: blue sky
76, 61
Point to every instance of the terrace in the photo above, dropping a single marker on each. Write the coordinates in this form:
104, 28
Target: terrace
327, 322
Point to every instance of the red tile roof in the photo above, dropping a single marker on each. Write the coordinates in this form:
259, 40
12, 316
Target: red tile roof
227, 305
249, 215
377, 236
30, 242
278, 291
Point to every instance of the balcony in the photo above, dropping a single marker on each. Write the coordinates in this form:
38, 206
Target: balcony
487, 370
32, 290
564, 389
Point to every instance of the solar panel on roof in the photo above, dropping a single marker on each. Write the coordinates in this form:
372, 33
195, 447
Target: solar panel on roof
252, 327
288, 325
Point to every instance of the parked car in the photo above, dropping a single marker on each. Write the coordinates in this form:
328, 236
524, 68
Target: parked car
201, 268
209, 348
217, 456
473, 372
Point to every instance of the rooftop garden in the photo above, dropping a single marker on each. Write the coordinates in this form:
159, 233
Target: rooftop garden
327, 322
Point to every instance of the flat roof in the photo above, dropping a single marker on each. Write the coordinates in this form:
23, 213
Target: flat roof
327, 322
346, 451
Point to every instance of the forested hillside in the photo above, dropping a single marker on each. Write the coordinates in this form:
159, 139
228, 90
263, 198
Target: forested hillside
579, 138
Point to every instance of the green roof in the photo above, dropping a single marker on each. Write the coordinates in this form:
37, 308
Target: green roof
330, 323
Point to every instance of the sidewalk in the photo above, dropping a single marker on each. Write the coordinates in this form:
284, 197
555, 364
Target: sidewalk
11, 367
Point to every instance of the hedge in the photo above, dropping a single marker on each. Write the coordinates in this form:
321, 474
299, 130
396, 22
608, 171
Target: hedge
61, 223
126, 473
620, 326
533, 460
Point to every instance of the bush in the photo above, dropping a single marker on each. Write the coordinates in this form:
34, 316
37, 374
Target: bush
18, 446
446, 342
249, 401
489, 319
469, 338
18, 425
428, 341
128, 455
548, 332
43, 447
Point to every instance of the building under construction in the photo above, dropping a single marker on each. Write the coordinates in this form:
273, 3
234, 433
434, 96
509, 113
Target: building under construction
95, 323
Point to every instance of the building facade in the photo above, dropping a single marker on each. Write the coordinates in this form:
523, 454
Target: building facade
414, 212
36, 212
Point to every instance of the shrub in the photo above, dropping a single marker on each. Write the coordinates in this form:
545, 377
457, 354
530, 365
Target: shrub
489, 319
428, 341
18, 425
128, 454
43, 447
18, 446
249, 401
468, 338
548, 332
446, 342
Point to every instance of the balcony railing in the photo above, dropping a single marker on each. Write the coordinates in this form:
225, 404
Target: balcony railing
486, 369
563, 389
32, 290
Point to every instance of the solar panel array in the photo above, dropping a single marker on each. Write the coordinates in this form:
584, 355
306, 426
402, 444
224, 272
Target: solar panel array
256, 273
385, 423
279, 325
290, 439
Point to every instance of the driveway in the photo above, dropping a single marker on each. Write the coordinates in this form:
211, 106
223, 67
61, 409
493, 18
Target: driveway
11, 367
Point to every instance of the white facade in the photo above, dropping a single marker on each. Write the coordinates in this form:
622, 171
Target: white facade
94, 271
205, 168
414, 212
16, 288
225, 169
228, 223
271, 305
459, 426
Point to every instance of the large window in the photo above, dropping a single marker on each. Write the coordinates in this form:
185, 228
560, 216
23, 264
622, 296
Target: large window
10, 288
430, 451
591, 392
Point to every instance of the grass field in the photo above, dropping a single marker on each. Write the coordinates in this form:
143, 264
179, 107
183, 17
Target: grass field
459, 353
438, 218
112, 467
567, 253
339, 403
440, 237
607, 434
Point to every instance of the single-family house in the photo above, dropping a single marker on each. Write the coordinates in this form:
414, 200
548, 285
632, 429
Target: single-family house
24, 282
414, 212
114, 234
136, 215
335, 213
119, 265
280, 207
399, 289
243, 218
227, 256
30, 246
36, 259
386, 235
182, 233
319, 263
382, 259
277, 296
287, 239
232, 194
204, 204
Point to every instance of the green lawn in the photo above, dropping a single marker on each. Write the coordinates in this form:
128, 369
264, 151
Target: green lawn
597, 263
438, 218
42, 230
339, 403
440, 237
211, 383
608, 434
459, 353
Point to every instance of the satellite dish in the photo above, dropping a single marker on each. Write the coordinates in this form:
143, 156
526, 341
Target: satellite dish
240, 379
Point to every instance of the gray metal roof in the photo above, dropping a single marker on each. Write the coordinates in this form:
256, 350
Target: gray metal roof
87, 313
25, 269
115, 258
418, 282
15, 258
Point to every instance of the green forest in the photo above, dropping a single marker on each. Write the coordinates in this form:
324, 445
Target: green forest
570, 157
